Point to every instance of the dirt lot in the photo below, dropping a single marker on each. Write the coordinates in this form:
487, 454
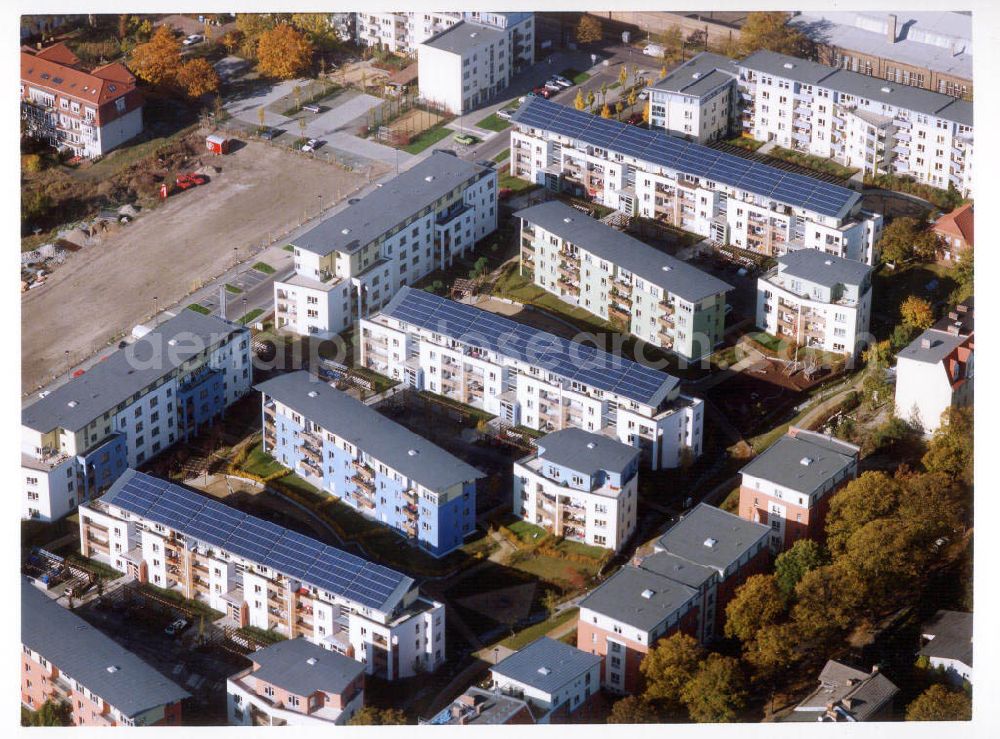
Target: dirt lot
104, 290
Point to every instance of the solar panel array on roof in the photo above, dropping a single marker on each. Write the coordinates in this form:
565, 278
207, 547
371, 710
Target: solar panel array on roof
687, 157
290, 553
580, 362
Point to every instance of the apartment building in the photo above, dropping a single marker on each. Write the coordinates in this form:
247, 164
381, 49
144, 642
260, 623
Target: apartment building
935, 372
379, 468
88, 113
860, 121
65, 659
558, 680
698, 100
817, 300
530, 377
162, 389
847, 694
463, 67
580, 486
788, 487
955, 231
479, 707
263, 575
295, 683
652, 295
401, 32
353, 262
947, 644
927, 49
651, 174
684, 586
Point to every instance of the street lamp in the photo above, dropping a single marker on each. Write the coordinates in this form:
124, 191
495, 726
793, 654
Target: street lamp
154, 309
496, 655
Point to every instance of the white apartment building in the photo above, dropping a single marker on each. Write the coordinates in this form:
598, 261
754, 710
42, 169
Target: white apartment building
530, 377
353, 262
817, 300
729, 199
263, 575
165, 387
652, 295
876, 125
698, 100
401, 32
466, 65
581, 486
935, 372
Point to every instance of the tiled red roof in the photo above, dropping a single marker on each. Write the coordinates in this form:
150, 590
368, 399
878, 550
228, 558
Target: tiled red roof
99, 87
59, 53
957, 223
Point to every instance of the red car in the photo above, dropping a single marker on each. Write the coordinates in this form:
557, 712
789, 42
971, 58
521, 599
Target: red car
504, 193
543, 92
79, 373
184, 181
635, 119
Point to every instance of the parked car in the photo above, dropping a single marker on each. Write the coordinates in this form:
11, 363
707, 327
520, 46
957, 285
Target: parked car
312, 108
504, 193
644, 94
635, 119
542, 92
310, 145
552, 86
194, 38
176, 627
466, 138
561, 81
505, 114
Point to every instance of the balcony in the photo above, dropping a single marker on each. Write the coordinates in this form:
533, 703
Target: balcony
615, 311
363, 482
363, 469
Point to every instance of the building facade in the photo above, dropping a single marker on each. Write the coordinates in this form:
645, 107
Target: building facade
353, 262
698, 100
401, 32
530, 377
296, 683
654, 296
86, 113
947, 644
819, 301
580, 486
728, 199
788, 487
935, 372
955, 232
381, 469
263, 575
65, 659
162, 389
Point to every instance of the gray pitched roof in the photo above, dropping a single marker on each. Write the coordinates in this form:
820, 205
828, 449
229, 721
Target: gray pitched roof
783, 462
941, 344
860, 694
396, 446
672, 274
73, 405
465, 36
952, 636
546, 664
302, 668
84, 654
824, 269
700, 75
389, 205
861, 85
712, 537
620, 597
585, 452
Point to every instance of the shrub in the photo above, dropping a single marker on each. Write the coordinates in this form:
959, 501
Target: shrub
31, 163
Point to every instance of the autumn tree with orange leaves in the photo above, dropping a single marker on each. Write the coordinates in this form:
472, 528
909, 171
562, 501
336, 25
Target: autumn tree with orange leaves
283, 53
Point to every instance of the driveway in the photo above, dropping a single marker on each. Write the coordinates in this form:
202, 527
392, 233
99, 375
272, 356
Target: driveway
343, 110
251, 98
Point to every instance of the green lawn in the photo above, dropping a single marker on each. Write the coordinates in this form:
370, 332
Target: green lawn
233, 289
527, 532
577, 78
260, 636
249, 317
810, 161
493, 123
267, 269
92, 565
129, 155
502, 156
515, 183
196, 606
380, 383
288, 247
428, 138
260, 463
745, 142
523, 638
199, 308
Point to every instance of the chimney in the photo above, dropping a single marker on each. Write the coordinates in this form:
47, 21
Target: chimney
962, 308
874, 669
953, 328
38, 45
925, 343
953, 315
891, 30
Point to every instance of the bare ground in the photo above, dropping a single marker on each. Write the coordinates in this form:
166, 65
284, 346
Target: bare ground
102, 291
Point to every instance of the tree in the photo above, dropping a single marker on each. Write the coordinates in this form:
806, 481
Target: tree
633, 96
588, 30
951, 448
372, 716
635, 709
317, 28
645, 113
231, 41
940, 703
673, 42
158, 61
906, 238
619, 107
771, 31
963, 274
198, 77
252, 26
579, 103
663, 71
605, 111
916, 313
871, 496
623, 75
717, 692
758, 602
773, 651
51, 713
670, 666
792, 564
283, 53
260, 117
590, 98
875, 388
827, 603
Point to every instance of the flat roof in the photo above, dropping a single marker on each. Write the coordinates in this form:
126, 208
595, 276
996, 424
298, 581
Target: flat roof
784, 463
259, 541
576, 362
678, 569
700, 75
85, 654
687, 157
621, 597
673, 275
464, 37
302, 668
389, 205
940, 345
585, 452
861, 85
392, 444
546, 664
823, 269
712, 537
482, 707
125, 372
